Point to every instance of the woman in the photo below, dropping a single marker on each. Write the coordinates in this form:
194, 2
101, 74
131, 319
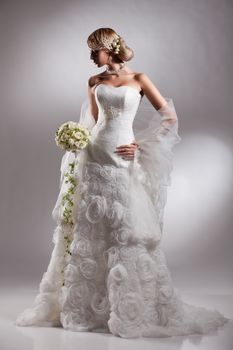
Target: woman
107, 273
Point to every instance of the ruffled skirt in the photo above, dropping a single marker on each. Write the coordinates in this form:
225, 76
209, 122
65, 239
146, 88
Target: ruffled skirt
108, 273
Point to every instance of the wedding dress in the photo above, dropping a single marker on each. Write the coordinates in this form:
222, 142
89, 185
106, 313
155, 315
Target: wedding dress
116, 278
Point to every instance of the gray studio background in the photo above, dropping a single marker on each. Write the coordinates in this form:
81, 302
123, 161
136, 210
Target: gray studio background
185, 48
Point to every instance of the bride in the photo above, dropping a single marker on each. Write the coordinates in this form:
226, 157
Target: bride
107, 272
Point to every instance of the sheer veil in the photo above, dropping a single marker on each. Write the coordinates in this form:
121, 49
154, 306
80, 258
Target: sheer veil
156, 132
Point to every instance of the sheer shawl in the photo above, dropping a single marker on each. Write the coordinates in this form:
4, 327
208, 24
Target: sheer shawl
156, 132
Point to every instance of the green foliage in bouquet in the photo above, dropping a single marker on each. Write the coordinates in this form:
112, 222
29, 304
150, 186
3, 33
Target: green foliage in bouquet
70, 136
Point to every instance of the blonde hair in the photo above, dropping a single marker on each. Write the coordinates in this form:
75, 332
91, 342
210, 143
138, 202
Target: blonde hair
104, 38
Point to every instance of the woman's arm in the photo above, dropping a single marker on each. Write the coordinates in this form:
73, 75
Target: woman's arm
156, 99
158, 102
91, 98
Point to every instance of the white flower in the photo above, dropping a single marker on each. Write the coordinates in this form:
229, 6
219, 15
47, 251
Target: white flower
72, 124
118, 328
115, 214
88, 268
78, 134
76, 295
81, 144
122, 235
99, 302
96, 209
86, 132
117, 274
71, 274
130, 308
63, 137
146, 267
165, 294
80, 319
81, 228
81, 247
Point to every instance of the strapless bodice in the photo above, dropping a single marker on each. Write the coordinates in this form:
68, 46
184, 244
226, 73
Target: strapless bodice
117, 104
117, 108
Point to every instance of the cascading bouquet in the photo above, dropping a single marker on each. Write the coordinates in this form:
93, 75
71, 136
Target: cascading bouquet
70, 136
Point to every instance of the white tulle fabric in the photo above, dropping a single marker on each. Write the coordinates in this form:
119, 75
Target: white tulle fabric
117, 279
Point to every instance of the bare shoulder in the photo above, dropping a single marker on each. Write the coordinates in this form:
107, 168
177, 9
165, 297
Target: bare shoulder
93, 80
151, 91
143, 79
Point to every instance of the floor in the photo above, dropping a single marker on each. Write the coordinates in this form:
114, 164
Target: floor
13, 337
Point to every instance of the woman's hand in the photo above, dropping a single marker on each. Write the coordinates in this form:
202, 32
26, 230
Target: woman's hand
127, 151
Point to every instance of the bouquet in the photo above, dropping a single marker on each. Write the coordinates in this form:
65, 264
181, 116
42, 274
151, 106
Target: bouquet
72, 136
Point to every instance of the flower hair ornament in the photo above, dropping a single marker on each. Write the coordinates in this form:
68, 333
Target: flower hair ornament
116, 45
106, 44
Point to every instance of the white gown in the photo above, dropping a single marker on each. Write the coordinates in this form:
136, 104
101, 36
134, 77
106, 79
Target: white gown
116, 278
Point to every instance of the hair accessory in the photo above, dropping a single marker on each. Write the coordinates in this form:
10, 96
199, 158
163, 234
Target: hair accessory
115, 45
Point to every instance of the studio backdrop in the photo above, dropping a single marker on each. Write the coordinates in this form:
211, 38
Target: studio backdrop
184, 47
